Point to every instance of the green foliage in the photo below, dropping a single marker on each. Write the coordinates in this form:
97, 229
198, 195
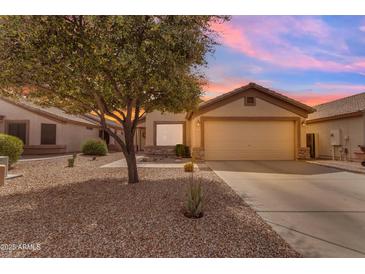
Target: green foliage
189, 167
109, 65
187, 152
182, 151
194, 204
94, 147
11, 146
71, 161
81, 62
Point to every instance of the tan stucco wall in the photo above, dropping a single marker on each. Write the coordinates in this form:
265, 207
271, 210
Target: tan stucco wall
236, 109
354, 128
67, 134
74, 135
157, 116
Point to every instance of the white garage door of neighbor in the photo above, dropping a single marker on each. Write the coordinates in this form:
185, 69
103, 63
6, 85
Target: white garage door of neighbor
249, 140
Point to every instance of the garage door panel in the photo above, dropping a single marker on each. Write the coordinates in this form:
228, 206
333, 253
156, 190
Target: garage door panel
249, 140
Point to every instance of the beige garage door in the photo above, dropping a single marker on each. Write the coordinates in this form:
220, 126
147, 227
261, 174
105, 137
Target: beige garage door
249, 140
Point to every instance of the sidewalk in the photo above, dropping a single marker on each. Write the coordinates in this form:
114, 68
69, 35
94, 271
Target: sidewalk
344, 165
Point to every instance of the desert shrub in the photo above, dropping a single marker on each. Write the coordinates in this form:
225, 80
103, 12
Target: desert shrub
187, 152
182, 150
94, 147
11, 146
189, 167
194, 204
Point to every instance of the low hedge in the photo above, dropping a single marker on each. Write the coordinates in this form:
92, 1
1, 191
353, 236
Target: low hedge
182, 151
94, 147
11, 146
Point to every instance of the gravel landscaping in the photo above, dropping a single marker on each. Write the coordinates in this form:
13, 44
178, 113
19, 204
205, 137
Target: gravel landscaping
87, 211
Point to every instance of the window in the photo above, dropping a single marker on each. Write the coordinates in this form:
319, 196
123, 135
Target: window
169, 134
48, 134
18, 129
250, 101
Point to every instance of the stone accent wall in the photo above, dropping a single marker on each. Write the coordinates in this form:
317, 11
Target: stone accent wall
159, 151
304, 153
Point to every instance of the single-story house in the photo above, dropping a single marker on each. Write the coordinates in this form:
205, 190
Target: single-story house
50, 130
337, 128
248, 123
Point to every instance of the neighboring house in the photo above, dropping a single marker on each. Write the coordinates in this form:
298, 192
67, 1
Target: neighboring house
337, 128
49, 130
248, 123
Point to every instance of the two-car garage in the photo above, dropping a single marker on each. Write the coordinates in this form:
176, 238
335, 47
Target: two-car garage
254, 139
249, 123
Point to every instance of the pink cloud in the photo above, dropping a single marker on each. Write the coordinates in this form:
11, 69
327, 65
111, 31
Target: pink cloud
313, 99
326, 92
344, 87
263, 40
235, 38
226, 84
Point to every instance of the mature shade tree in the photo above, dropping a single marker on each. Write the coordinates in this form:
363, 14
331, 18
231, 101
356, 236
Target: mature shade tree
117, 66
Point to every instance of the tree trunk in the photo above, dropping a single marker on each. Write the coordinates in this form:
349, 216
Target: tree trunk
130, 157
132, 167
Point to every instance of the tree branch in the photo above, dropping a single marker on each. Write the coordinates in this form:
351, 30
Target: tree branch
102, 104
111, 133
141, 115
113, 81
121, 113
136, 116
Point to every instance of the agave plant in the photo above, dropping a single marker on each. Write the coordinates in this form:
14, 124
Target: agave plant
194, 205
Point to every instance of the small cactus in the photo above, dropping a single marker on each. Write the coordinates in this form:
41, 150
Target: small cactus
194, 205
71, 161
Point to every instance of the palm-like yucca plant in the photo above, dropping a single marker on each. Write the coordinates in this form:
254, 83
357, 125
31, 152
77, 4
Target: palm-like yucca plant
194, 205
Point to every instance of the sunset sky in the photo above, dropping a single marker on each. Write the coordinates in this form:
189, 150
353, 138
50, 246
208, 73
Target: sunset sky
314, 59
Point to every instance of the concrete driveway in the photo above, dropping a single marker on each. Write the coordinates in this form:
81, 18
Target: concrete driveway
319, 211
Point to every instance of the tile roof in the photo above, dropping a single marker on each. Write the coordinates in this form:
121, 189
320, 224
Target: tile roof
96, 119
51, 112
260, 88
347, 105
